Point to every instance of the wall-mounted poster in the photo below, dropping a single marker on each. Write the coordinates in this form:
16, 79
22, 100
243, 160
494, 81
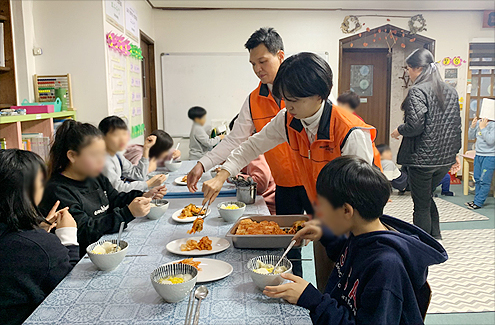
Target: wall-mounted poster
450, 73
131, 23
114, 10
488, 19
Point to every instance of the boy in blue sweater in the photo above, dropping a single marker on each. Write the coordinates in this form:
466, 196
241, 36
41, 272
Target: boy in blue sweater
484, 161
381, 262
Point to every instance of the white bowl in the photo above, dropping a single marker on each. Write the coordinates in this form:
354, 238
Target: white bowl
158, 211
150, 175
263, 280
231, 215
178, 291
107, 262
173, 166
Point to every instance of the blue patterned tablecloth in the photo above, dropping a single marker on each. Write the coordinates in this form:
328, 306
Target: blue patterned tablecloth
174, 189
126, 295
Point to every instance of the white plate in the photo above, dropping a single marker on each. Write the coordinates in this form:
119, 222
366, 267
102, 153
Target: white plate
218, 245
179, 181
177, 213
211, 270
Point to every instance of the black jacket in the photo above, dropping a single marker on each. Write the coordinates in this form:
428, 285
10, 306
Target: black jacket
95, 205
32, 263
431, 134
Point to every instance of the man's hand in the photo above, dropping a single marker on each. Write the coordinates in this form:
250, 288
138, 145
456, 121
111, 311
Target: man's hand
289, 291
212, 187
311, 231
194, 176
156, 192
395, 134
483, 123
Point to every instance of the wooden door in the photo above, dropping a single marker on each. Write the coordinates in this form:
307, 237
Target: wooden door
367, 72
149, 84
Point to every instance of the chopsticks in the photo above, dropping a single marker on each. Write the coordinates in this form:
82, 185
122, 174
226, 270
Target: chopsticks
190, 308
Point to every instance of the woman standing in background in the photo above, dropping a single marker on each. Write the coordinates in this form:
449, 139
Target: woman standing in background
431, 136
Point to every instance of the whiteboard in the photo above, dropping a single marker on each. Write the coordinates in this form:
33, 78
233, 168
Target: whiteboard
219, 82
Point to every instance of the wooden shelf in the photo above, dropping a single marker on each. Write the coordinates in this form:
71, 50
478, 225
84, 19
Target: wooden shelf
34, 117
3, 18
6, 105
4, 69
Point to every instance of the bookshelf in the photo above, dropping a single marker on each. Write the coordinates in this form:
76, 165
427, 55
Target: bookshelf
7, 74
12, 127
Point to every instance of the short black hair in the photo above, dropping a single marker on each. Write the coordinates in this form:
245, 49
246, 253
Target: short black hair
111, 123
267, 36
350, 98
196, 112
303, 75
163, 143
382, 148
352, 180
18, 172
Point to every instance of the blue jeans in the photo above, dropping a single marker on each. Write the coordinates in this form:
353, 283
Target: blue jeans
483, 173
445, 182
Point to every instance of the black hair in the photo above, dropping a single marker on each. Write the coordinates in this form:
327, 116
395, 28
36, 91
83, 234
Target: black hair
267, 36
352, 180
350, 98
18, 172
231, 124
111, 123
303, 75
382, 148
71, 135
422, 58
163, 143
196, 112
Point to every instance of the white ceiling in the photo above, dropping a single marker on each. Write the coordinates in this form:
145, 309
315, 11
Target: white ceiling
415, 5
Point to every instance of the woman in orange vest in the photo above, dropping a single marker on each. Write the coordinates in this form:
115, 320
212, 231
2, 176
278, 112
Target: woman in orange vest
316, 130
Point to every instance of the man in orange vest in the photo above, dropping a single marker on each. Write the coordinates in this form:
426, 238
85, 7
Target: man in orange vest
316, 130
266, 53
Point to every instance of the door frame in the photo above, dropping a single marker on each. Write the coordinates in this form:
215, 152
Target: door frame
429, 44
389, 80
152, 79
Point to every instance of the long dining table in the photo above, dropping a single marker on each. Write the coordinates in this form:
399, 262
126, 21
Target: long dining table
125, 295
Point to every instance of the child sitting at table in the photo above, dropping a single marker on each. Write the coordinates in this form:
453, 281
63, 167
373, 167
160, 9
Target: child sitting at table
121, 173
77, 158
33, 260
382, 262
199, 141
159, 152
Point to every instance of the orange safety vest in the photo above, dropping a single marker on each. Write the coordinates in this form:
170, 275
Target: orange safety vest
335, 126
263, 108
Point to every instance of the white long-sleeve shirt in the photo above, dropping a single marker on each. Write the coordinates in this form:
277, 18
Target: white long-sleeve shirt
118, 166
358, 143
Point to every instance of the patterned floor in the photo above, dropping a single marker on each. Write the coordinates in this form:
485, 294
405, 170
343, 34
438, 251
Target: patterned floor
466, 282
402, 208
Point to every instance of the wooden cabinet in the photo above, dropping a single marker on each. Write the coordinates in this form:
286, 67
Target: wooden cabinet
7, 73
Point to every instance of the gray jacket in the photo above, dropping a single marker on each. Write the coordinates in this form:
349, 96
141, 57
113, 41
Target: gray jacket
200, 142
431, 134
117, 167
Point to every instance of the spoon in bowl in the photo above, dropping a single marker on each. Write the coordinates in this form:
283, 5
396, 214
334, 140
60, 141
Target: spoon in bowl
292, 243
121, 229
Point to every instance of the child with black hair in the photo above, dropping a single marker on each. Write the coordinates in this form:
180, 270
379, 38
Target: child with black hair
77, 158
397, 177
382, 262
199, 141
350, 101
121, 173
159, 152
33, 260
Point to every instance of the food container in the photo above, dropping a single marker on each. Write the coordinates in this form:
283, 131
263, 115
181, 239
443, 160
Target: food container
173, 166
246, 194
174, 292
265, 241
158, 210
230, 215
263, 280
107, 262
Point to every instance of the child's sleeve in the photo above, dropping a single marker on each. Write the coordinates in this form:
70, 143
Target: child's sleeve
472, 132
118, 200
115, 179
203, 138
488, 134
138, 172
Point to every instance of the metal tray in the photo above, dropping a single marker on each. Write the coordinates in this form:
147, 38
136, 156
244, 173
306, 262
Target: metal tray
265, 241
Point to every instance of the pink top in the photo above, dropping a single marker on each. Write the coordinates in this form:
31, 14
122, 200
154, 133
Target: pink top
259, 170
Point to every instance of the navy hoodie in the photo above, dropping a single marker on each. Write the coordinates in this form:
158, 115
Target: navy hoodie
95, 205
377, 276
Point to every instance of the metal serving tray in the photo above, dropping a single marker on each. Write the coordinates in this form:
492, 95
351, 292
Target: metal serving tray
265, 241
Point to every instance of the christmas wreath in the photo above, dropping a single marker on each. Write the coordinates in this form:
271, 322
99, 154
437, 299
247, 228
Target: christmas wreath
348, 21
417, 24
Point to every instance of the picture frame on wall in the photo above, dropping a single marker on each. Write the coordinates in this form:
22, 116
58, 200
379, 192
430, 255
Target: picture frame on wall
114, 12
451, 73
